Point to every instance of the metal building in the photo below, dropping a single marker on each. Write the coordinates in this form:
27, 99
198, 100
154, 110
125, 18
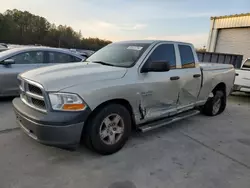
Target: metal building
230, 34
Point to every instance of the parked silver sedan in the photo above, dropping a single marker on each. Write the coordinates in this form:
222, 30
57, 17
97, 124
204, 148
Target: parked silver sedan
17, 60
3, 47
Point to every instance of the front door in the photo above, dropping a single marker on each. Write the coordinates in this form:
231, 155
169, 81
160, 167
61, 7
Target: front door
23, 62
159, 90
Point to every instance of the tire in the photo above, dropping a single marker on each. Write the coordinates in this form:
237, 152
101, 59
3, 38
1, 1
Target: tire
212, 106
103, 123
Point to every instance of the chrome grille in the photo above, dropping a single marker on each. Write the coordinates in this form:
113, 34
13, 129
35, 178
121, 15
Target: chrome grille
35, 90
38, 103
31, 94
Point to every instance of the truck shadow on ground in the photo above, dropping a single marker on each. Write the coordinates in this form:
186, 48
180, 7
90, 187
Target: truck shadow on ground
240, 98
6, 99
138, 138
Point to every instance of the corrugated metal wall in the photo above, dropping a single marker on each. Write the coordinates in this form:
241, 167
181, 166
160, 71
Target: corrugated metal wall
230, 34
230, 22
236, 41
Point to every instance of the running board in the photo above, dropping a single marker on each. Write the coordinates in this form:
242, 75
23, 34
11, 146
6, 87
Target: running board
166, 121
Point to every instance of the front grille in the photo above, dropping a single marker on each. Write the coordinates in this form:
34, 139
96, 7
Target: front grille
38, 103
32, 95
34, 89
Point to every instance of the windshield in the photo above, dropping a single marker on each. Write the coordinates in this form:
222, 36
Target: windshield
119, 54
246, 64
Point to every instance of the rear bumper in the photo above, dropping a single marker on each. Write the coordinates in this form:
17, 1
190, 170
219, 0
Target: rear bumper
241, 88
62, 129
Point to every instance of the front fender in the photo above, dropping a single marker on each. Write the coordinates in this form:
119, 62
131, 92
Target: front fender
97, 93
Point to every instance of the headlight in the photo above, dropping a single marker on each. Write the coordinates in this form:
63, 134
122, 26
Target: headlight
66, 102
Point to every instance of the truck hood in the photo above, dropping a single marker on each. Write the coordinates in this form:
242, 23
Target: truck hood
58, 77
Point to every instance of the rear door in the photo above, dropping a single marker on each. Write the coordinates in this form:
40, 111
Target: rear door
23, 62
190, 78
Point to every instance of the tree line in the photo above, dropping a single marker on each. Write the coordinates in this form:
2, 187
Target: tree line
22, 27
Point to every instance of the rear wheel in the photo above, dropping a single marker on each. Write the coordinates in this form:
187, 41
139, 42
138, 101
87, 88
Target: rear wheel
216, 104
109, 129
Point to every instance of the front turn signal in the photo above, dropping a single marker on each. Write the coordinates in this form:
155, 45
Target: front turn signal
74, 107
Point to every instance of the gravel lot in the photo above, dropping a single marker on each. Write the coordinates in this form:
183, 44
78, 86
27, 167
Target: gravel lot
197, 152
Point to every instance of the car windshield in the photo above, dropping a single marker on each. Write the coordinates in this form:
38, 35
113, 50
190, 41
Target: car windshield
246, 64
119, 54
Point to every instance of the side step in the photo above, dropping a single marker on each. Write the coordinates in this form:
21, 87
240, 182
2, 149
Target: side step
166, 121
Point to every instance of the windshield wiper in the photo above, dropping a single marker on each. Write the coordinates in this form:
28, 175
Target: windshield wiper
103, 63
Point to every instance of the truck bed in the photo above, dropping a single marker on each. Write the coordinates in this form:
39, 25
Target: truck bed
215, 66
213, 74
223, 58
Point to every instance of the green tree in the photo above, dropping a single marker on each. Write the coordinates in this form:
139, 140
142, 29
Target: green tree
22, 27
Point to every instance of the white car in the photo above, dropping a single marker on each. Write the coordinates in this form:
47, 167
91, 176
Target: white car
3, 47
242, 79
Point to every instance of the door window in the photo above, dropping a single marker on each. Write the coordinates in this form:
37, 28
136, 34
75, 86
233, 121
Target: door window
164, 52
76, 59
57, 57
246, 64
32, 57
187, 56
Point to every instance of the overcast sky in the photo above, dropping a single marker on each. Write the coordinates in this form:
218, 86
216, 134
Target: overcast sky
183, 20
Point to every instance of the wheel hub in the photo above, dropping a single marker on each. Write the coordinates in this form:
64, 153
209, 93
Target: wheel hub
111, 129
216, 106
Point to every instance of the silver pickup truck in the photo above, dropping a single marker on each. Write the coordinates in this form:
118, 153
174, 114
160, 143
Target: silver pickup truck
126, 85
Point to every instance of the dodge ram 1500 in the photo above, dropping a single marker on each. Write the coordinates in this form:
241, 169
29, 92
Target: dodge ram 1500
126, 85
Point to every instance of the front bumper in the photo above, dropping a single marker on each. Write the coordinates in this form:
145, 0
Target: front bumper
62, 129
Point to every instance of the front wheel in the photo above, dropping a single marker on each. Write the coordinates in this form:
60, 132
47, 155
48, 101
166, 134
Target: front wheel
216, 104
109, 129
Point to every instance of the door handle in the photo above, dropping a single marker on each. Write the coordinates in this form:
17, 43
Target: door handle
196, 75
174, 78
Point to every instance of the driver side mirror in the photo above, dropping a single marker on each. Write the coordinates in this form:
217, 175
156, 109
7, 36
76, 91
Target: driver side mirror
156, 66
8, 62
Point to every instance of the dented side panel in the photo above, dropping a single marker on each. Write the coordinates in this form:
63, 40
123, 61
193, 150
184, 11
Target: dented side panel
158, 94
189, 88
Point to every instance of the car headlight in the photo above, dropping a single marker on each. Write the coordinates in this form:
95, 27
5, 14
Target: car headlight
66, 102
